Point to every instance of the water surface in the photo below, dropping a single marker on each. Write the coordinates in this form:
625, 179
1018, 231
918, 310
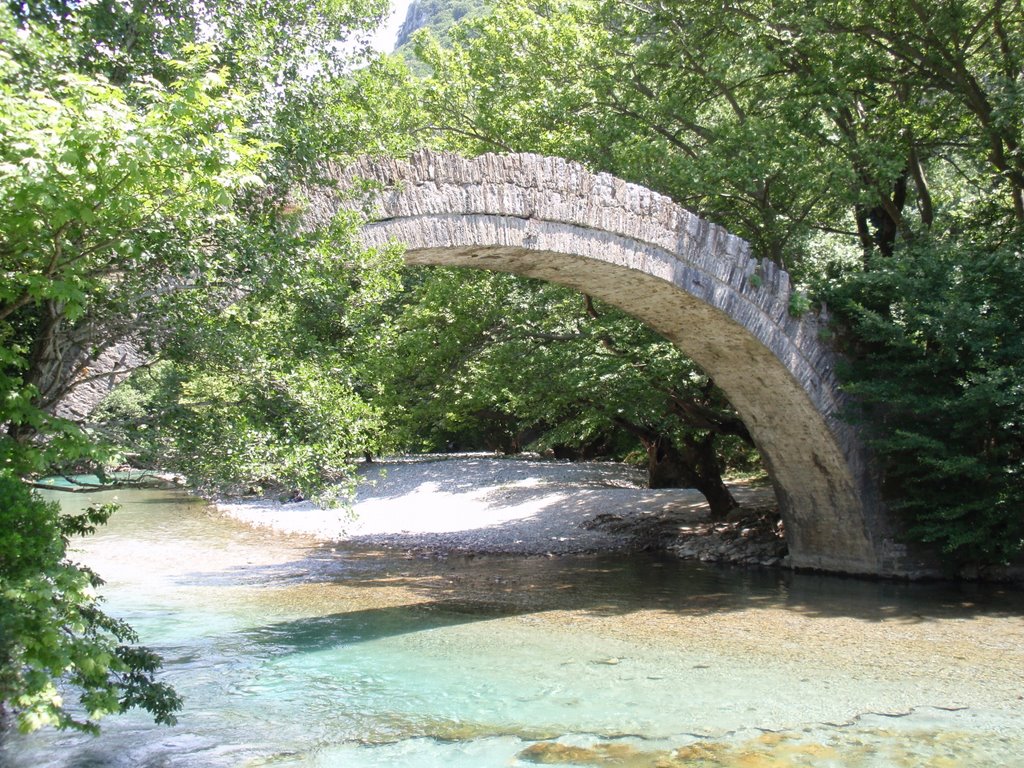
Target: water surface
291, 653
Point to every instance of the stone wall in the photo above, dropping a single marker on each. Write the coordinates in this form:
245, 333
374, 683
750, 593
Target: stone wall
97, 378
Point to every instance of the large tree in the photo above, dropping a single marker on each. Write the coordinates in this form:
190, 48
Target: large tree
148, 211
147, 152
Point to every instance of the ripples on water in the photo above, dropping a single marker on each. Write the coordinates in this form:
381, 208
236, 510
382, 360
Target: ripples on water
290, 653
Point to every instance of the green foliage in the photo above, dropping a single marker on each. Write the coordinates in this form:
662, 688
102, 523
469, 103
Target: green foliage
939, 375
142, 211
146, 153
263, 44
799, 303
109, 197
53, 635
304, 409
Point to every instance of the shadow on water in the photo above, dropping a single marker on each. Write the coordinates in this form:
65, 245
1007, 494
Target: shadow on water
465, 589
321, 633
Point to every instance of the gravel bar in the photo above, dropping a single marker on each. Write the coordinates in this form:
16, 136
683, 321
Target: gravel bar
478, 503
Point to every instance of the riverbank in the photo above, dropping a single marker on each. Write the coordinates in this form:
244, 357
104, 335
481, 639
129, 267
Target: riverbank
482, 504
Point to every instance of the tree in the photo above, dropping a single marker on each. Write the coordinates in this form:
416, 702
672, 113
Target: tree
111, 204
792, 125
955, 69
53, 635
936, 336
262, 44
300, 313
146, 211
305, 408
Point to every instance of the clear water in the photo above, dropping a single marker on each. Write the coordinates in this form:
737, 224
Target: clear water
290, 653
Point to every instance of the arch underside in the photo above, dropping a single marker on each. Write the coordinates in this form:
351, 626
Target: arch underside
791, 416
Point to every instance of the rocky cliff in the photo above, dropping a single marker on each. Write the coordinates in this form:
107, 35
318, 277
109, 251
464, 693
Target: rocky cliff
438, 16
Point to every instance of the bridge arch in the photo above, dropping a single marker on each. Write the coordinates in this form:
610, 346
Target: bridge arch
692, 281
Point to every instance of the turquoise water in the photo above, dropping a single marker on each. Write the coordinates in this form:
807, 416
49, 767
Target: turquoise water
290, 653
88, 483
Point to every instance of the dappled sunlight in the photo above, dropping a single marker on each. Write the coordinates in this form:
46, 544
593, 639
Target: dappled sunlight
485, 503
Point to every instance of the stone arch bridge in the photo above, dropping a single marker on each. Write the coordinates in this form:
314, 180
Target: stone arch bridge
691, 281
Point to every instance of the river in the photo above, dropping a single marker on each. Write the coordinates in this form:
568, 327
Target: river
293, 653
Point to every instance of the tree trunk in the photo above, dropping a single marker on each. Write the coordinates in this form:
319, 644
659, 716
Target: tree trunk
694, 465
879, 226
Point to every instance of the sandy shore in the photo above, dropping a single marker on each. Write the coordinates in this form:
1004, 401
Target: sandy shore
482, 503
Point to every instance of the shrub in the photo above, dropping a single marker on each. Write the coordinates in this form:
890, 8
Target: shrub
936, 336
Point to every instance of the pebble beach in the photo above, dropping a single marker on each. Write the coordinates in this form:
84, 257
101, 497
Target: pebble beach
486, 504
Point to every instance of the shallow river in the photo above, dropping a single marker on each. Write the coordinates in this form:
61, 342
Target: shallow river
290, 653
